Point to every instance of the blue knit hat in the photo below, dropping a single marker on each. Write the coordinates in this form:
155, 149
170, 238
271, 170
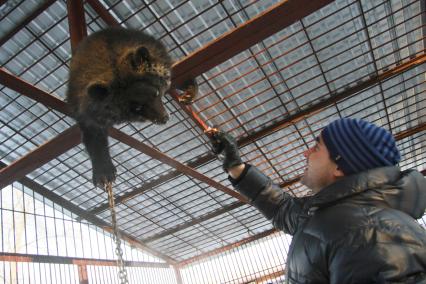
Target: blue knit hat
357, 145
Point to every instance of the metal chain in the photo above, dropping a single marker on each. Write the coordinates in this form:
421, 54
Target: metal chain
122, 273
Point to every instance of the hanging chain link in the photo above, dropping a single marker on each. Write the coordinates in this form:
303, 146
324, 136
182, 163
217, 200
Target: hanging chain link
122, 274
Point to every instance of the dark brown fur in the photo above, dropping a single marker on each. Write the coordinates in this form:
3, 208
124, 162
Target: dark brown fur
117, 75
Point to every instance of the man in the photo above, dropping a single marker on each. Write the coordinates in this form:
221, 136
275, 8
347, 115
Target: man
359, 226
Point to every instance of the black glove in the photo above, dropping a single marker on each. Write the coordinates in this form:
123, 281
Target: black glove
225, 145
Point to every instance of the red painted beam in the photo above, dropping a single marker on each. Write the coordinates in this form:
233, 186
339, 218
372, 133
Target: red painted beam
37, 258
39, 156
135, 144
241, 38
76, 22
26, 21
28, 90
103, 13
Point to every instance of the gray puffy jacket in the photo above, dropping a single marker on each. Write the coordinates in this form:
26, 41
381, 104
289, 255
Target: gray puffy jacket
361, 229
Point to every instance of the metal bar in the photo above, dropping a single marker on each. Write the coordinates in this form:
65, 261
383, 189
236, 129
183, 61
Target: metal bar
26, 21
132, 142
82, 274
18, 257
39, 156
228, 247
20, 86
270, 276
177, 275
76, 22
239, 39
103, 13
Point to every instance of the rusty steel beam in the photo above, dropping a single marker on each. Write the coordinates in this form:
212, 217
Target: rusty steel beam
147, 150
37, 258
76, 22
227, 247
20, 86
103, 13
26, 21
264, 278
82, 274
410, 132
241, 38
39, 156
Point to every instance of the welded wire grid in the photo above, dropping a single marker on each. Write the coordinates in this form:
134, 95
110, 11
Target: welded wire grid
33, 225
316, 59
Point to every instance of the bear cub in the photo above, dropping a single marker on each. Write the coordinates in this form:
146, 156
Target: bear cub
116, 75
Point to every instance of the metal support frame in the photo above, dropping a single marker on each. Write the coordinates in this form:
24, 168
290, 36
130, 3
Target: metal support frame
17, 257
39, 156
76, 22
103, 13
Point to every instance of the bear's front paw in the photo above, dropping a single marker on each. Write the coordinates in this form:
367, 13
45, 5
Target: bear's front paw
103, 173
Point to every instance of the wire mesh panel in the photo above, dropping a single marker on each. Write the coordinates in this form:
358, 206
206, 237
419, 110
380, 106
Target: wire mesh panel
254, 262
109, 275
38, 273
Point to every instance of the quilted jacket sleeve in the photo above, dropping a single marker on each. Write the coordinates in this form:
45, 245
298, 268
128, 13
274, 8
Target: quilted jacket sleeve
276, 205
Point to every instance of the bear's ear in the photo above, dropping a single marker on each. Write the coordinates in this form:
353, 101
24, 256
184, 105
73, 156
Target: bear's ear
98, 91
140, 56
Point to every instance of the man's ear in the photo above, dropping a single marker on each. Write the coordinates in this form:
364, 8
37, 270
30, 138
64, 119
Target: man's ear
98, 91
338, 173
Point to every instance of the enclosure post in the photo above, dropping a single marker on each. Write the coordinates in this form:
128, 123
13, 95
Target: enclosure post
82, 274
177, 275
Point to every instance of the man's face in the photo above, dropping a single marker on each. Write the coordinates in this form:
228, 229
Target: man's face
320, 171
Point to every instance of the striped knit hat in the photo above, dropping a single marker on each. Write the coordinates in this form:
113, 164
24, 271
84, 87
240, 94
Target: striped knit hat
357, 145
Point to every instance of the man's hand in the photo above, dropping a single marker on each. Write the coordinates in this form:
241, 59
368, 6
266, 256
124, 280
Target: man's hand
225, 145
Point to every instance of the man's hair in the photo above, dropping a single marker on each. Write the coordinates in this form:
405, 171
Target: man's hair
357, 145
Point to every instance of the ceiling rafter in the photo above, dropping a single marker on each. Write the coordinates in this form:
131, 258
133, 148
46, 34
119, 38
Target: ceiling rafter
76, 22
26, 21
38, 258
103, 13
40, 156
